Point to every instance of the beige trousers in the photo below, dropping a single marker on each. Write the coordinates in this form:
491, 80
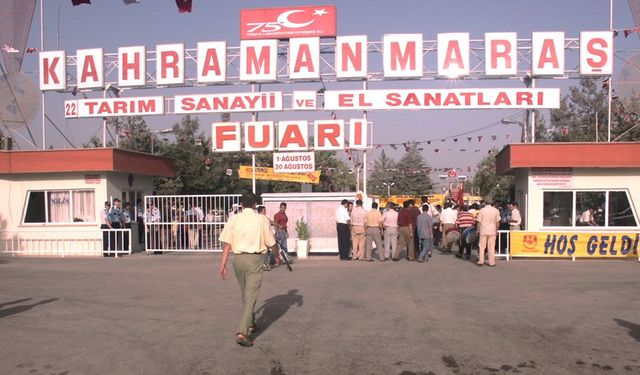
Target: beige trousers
487, 242
357, 241
405, 238
248, 270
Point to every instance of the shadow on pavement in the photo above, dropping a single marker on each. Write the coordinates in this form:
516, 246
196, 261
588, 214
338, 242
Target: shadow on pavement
274, 308
634, 329
22, 308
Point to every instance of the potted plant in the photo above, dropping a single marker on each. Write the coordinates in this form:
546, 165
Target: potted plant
302, 245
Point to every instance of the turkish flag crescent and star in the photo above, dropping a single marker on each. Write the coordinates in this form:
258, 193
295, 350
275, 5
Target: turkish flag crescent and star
184, 6
78, 2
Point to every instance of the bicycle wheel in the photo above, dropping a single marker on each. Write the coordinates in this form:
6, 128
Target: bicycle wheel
285, 259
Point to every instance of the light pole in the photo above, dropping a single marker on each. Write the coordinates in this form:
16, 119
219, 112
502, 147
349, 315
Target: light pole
161, 131
523, 137
388, 188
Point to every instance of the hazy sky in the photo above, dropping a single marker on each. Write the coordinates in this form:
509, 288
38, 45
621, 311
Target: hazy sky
111, 24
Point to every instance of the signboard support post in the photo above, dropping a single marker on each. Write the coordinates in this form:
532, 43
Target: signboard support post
254, 117
364, 152
44, 142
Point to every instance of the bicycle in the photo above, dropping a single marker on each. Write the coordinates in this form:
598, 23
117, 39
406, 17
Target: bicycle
285, 259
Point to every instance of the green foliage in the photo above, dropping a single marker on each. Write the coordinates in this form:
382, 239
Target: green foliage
488, 183
189, 153
587, 106
411, 176
302, 228
335, 174
383, 173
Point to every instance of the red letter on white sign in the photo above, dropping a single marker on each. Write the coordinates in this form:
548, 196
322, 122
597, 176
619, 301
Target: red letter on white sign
547, 53
169, 64
53, 70
293, 135
90, 68
453, 54
596, 53
304, 58
258, 136
402, 55
501, 54
212, 59
225, 136
329, 135
258, 60
351, 56
132, 59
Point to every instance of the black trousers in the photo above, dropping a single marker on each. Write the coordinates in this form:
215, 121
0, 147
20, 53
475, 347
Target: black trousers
344, 240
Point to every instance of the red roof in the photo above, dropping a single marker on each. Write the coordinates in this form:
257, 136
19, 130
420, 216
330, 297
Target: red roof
85, 160
568, 155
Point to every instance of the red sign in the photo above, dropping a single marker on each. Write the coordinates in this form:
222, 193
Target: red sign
290, 22
452, 173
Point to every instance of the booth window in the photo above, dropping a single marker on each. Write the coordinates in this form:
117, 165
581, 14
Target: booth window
596, 208
60, 206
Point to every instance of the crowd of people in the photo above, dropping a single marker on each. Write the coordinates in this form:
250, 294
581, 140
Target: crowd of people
414, 232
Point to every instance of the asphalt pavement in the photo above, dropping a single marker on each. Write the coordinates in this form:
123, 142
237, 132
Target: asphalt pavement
170, 314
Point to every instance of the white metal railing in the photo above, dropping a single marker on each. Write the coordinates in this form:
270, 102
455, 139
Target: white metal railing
502, 244
187, 223
65, 242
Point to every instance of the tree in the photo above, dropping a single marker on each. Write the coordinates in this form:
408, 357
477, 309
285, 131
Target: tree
488, 183
134, 134
334, 174
189, 154
412, 173
383, 172
583, 113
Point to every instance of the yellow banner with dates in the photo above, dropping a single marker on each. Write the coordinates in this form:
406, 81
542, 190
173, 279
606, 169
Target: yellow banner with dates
265, 173
574, 244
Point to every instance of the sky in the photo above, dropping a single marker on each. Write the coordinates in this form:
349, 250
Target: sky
111, 24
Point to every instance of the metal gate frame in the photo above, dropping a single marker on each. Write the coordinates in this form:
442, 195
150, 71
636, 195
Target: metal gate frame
186, 223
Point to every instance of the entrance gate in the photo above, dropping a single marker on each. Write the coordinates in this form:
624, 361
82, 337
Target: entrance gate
186, 223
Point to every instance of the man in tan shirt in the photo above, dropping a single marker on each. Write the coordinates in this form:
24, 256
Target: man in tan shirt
373, 222
488, 223
248, 235
357, 231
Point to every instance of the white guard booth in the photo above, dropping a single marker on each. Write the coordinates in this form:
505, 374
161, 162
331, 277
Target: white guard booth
577, 200
51, 200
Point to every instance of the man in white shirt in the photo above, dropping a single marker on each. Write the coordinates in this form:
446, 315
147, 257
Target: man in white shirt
390, 224
358, 231
448, 218
516, 220
587, 219
342, 227
248, 234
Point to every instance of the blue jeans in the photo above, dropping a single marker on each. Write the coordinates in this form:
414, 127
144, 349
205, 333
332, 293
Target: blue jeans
426, 245
281, 239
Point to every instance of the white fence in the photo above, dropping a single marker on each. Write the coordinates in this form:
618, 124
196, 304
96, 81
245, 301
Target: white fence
187, 223
66, 242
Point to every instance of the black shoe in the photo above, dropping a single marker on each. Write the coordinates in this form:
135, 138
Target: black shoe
395, 259
458, 255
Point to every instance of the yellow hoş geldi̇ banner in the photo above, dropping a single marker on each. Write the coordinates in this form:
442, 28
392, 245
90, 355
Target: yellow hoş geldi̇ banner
574, 244
266, 173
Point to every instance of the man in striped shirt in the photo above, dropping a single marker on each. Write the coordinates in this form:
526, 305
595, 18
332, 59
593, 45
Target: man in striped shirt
465, 221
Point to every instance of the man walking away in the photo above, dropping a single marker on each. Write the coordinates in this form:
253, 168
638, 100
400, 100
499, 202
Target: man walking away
488, 223
390, 224
373, 221
342, 227
405, 233
464, 222
358, 231
248, 235
424, 223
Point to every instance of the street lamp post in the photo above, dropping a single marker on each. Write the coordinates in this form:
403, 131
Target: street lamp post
161, 131
388, 187
523, 137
